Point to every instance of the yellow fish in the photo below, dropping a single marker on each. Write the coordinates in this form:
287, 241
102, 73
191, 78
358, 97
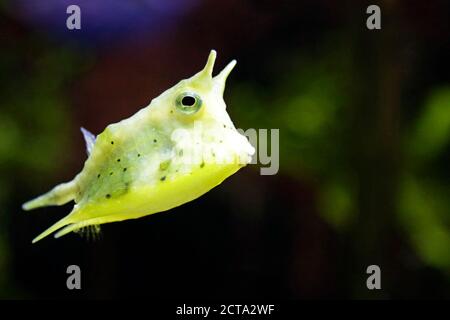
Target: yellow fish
177, 148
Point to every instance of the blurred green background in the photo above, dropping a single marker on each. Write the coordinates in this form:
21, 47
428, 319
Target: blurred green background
364, 119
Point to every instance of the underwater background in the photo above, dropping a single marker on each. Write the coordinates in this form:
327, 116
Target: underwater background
364, 120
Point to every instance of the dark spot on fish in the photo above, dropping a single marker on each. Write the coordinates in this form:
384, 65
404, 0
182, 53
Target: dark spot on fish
124, 169
202, 165
171, 111
164, 165
139, 154
98, 176
163, 178
110, 173
112, 142
108, 196
224, 126
118, 160
154, 140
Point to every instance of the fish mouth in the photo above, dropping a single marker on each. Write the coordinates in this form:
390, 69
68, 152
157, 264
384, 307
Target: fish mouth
239, 146
213, 146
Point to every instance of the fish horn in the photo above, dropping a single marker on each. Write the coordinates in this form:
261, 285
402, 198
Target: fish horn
221, 78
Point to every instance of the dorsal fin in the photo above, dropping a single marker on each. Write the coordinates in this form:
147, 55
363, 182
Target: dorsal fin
89, 138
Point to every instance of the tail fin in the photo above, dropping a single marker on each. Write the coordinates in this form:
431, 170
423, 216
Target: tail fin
61, 223
59, 195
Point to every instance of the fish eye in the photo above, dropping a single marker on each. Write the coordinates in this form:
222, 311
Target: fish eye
188, 103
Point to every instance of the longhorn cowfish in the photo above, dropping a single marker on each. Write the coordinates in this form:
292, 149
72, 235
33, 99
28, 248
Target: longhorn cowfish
171, 152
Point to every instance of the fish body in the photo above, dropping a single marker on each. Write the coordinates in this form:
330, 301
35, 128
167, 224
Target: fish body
171, 152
